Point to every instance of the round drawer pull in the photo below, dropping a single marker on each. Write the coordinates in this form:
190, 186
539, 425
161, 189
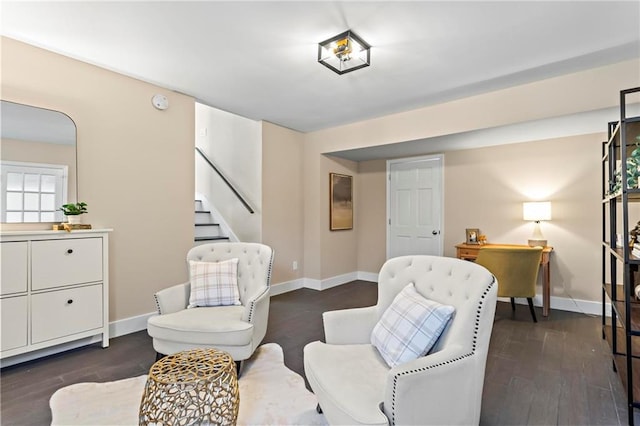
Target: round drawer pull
69, 251
70, 301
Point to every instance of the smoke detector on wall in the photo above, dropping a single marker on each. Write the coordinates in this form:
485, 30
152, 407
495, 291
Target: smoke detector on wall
160, 102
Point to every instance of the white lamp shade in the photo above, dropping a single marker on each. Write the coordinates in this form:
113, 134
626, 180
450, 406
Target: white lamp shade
539, 210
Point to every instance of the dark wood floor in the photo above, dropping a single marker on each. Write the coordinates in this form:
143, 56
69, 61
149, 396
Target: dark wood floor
557, 371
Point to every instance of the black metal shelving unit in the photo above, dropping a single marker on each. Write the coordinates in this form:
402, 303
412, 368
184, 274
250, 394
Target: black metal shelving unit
622, 331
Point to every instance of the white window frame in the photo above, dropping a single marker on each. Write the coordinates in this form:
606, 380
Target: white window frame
62, 179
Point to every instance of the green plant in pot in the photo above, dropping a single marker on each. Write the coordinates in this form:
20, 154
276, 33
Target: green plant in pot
73, 211
633, 172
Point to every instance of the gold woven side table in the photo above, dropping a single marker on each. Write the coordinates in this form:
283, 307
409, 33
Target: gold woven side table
198, 386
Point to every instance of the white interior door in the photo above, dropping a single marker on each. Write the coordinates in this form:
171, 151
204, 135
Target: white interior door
414, 206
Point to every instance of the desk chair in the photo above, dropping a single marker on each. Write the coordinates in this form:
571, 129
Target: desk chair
516, 269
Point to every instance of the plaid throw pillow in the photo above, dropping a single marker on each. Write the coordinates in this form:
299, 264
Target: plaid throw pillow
214, 283
409, 327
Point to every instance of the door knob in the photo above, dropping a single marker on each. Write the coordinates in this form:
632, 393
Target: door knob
434, 232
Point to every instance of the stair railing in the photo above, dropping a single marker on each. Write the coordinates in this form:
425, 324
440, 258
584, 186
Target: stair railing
226, 181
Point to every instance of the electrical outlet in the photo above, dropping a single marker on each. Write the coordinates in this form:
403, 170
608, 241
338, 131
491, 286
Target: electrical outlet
295, 265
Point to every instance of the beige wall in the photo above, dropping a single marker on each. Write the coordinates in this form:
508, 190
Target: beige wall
485, 188
371, 215
583, 91
575, 93
282, 200
135, 165
131, 155
339, 248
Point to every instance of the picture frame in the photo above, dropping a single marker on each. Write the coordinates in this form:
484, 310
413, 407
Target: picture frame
340, 202
472, 235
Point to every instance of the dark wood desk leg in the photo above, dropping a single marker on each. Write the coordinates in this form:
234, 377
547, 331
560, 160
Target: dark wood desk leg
546, 289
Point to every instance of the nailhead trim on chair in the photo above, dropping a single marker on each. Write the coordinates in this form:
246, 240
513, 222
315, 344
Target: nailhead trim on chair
475, 336
253, 303
155, 297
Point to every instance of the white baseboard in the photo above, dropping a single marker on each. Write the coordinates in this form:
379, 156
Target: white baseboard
368, 276
567, 304
116, 329
337, 280
129, 325
326, 283
311, 283
286, 287
139, 323
576, 305
560, 303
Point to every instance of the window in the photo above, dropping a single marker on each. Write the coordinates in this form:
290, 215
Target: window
32, 192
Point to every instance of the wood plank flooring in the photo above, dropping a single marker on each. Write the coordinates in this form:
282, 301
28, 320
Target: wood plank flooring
555, 372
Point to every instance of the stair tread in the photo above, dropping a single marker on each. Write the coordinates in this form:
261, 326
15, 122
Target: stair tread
210, 238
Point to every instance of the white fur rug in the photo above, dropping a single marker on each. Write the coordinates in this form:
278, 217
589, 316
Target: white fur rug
270, 394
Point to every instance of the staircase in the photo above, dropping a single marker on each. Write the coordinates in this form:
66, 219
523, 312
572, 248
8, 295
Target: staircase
207, 230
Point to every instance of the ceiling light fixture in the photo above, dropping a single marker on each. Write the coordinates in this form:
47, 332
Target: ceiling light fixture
344, 53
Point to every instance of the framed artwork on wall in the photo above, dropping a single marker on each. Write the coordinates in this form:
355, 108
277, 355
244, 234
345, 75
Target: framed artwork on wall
472, 235
340, 202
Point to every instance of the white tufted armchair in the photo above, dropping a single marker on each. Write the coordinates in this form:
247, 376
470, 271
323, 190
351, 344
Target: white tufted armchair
237, 330
353, 383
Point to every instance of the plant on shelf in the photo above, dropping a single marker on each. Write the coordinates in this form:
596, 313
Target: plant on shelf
73, 212
74, 209
633, 172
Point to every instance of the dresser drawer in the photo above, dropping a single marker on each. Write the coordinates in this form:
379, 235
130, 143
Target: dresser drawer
14, 269
64, 312
464, 253
14, 316
56, 263
53, 291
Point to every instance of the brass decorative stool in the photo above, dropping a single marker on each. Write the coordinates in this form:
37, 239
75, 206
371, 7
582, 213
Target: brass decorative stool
198, 386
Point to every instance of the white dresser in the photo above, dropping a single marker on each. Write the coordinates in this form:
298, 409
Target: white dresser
54, 289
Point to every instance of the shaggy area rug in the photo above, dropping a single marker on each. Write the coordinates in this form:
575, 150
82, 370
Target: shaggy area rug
270, 394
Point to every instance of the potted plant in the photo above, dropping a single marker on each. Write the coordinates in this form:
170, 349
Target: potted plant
73, 211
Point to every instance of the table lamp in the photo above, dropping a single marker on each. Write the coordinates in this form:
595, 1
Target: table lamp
537, 211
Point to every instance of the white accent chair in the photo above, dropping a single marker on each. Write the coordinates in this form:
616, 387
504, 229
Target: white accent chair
355, 386
237, 330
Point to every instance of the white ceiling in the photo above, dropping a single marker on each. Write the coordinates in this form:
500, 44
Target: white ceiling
259, 59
